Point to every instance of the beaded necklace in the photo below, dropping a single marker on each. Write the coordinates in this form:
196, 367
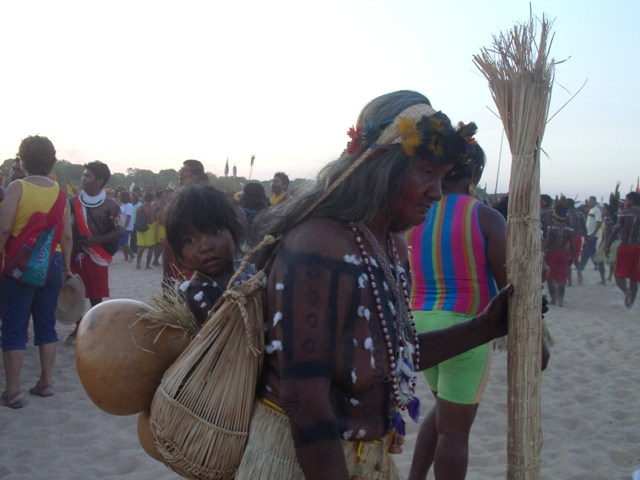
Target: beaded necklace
404, 355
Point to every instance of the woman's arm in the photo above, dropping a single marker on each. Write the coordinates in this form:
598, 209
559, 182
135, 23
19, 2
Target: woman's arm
66, 242
8, 211
440, 345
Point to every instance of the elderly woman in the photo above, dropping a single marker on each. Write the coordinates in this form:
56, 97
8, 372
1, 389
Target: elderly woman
342, 350
26, 200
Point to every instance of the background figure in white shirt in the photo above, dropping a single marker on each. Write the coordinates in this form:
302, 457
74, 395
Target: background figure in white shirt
594, 222
127, 220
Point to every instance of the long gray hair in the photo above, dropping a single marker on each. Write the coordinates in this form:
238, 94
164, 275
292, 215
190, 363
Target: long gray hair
370, 189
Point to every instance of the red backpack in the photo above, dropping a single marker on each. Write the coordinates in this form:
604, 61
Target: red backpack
29, 255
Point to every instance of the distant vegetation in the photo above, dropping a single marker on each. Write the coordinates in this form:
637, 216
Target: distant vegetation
145, 179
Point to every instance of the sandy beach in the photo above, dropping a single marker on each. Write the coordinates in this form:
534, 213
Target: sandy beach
590, 404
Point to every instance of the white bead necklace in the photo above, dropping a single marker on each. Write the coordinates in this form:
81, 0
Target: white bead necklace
405, 356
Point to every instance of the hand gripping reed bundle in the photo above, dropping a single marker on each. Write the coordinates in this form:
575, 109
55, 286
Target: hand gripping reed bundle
520, 77
200, 413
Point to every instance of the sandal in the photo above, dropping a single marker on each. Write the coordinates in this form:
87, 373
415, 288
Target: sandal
11, 402
42, 391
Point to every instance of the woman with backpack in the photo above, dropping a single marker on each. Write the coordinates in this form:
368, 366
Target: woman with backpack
34, 207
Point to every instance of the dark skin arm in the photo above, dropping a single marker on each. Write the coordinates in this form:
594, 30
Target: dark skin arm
571, 246
440, 345
309, 327
114, 210
613, 236
494, 230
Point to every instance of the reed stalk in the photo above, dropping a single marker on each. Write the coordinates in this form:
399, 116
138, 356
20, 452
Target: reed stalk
520, 75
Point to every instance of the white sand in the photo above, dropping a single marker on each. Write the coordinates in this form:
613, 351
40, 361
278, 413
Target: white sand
590, 405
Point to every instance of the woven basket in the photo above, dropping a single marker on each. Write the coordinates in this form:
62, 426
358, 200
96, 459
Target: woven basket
200, 413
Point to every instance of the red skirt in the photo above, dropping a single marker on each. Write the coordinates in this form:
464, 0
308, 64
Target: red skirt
628, 262
558, 263
577, 248
94, 277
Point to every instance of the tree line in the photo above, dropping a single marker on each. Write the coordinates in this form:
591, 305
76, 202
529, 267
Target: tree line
145, 179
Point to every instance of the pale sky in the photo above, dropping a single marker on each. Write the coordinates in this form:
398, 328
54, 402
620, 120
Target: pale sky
148, 84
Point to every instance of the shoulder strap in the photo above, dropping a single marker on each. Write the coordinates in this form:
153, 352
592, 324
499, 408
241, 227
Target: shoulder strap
94, 222
57, 211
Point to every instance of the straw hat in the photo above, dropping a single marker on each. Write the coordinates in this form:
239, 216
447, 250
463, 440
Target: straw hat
71, 300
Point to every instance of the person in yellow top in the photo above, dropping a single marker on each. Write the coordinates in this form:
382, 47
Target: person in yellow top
279, 186
34, 194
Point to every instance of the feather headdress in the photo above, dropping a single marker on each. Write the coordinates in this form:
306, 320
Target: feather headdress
614, 200
561, 206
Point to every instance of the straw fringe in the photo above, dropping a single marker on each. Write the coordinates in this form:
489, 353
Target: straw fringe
201, 411
268, 459
520, 76
169, 310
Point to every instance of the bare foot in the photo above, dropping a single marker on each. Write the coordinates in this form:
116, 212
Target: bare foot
137, 267
148, 267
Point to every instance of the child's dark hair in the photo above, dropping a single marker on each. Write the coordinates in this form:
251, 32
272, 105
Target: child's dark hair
201, 207
125, 197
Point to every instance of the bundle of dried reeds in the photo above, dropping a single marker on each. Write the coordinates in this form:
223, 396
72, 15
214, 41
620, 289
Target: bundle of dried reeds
169, 310
201, 411
520, 75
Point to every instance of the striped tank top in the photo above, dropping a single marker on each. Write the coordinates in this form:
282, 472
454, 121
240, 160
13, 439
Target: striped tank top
448, 259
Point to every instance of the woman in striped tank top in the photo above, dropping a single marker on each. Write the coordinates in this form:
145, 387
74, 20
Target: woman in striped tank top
457, 263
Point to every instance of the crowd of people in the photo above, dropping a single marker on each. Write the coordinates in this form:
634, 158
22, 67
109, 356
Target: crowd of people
388, 264
607, 234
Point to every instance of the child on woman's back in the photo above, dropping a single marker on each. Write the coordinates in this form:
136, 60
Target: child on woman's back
204, 233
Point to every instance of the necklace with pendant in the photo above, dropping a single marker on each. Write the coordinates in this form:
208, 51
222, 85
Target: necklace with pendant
404, 349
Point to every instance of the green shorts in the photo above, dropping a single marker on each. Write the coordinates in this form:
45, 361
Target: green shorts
460, 379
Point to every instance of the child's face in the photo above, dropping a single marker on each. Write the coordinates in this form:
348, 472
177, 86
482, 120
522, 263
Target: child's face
210, 252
